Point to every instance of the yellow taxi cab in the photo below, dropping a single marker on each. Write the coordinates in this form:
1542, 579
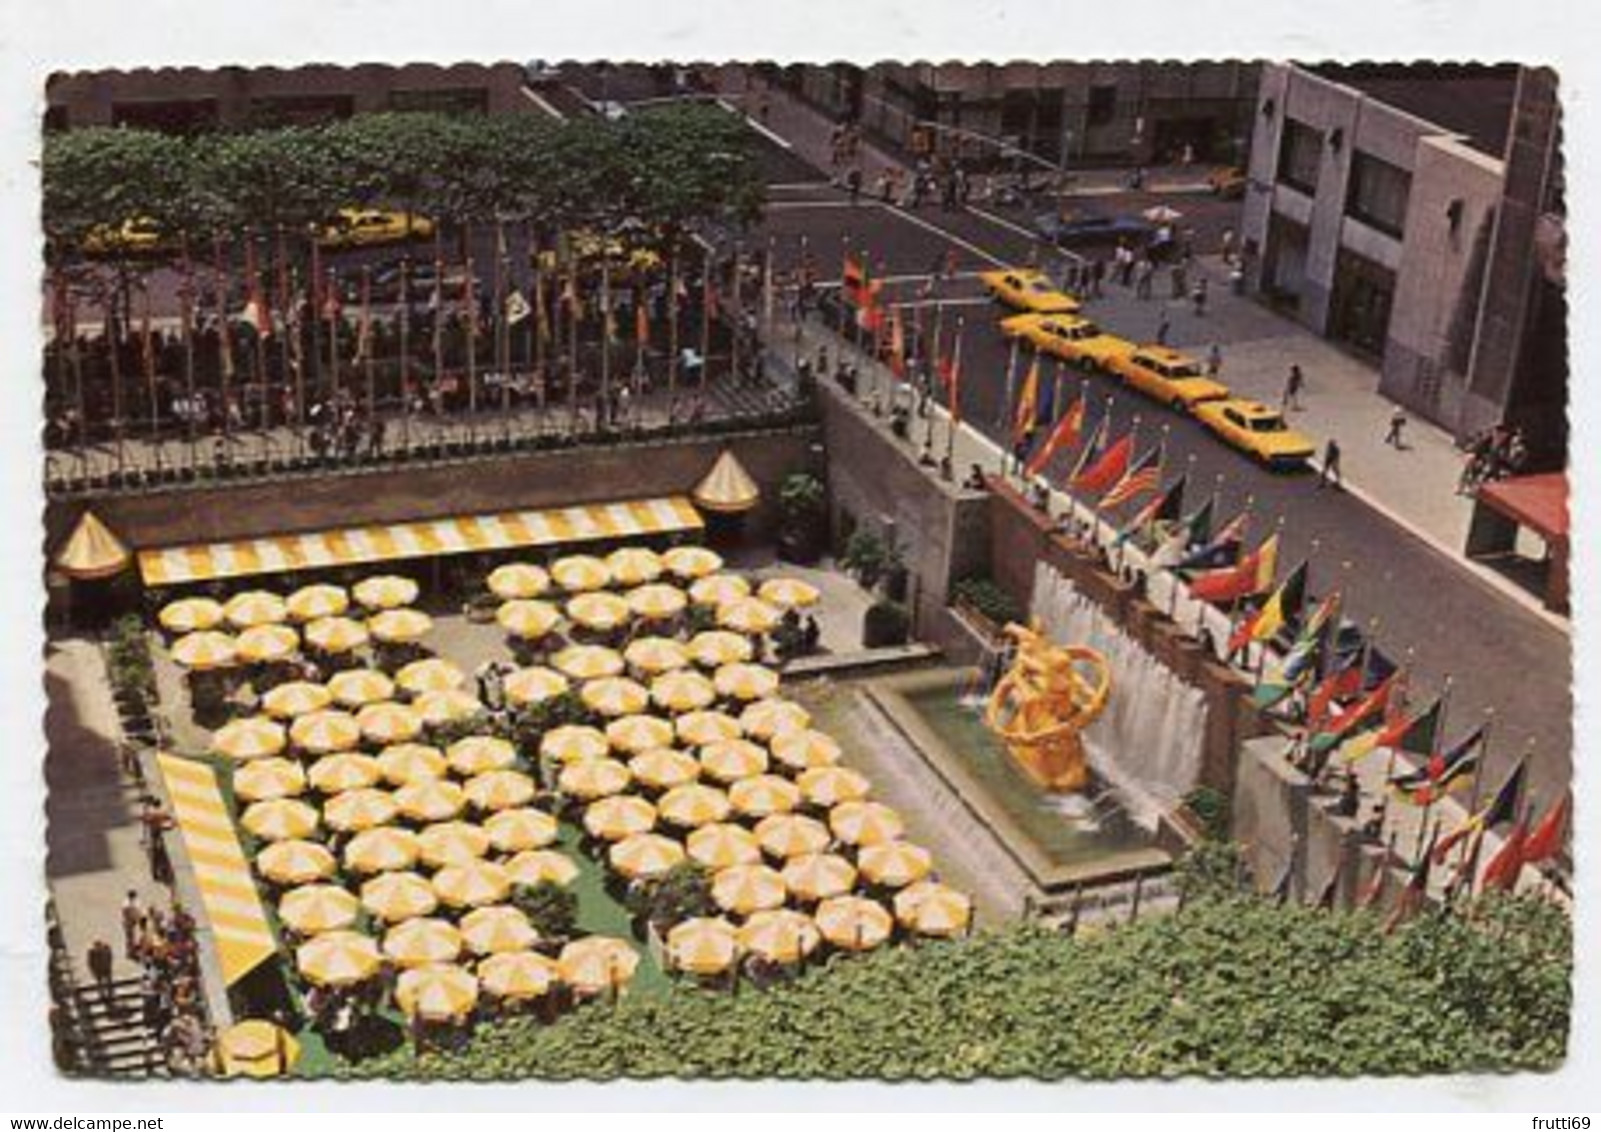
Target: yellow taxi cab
136, 235
363, 227
1070, 337
1257, 430
1028, 290
590, 246
1227, 182
1172, 378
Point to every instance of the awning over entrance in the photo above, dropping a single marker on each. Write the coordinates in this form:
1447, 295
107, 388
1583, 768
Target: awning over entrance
227, 891
1539, 503
351, 546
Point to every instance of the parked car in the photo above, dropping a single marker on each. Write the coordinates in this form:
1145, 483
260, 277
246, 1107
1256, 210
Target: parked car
1026, 289
1227, 182
1090, 229
1257, 430
1067, 336
138, 235
364, 227
1172, 378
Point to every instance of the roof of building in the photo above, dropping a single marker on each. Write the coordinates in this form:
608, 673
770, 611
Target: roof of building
1472, 99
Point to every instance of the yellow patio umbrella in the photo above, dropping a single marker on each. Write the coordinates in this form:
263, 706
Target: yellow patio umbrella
254, 607
92, 551
657, 601
517, 580
204, 650
472, 885
405, 763
602, 611
853, 923
389, 723
580, 573
723, 845
693, 805
536, 866
691, 561
381, 851
338, 959
805, 749
357, 810
663, 768
682, 691
335, 634
430, 800
654, 655
634, 565
513, 830
716, 647
295, 862
322, 732
440, 708
612, 819
254, 737
528, 619
497, 929
743, 681
476, 754
256, 1048
516, 975
573, 743
727, 489
764, 795
719, 589
528, 686
645, 855
418, 942
589, 779
357, 687
615, 696
819, 876
705, 945
498, 790
931, 908
451, 843
792, 835
743, 889
779, 935
264, 644
395, 897
865, 823
597, 963
894, 864
190, 614
437, 993
316, 908
399, 626
767, 719
636, 733
298, 697
279, 819
432, 674
732, 760
830, 785
334, 774
266, 779
308, 603
748, 615
385, 591
703, 728
788, 593
588, 662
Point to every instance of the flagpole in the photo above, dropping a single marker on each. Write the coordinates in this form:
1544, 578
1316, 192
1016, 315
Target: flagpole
80, 398
224, 346
541, 329
930, 353
330, 302
287, 348
705, 320
365, 343
148, 357
469, 289
438, 328
733, 347
186, 312
1011, 388
1389, 769
673, 283
263, 326
954, 395
603, 414
502, 326
1434, 752
572, 350
405, 354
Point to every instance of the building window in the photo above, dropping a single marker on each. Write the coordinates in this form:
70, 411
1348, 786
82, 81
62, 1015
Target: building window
450, 100
273, 112
1103, 103
1378, 194
1300, 156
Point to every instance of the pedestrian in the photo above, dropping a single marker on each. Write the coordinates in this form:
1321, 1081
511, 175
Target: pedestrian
1397, 424
1198, 297
1329, 475
1228, 245
1214, 361
133, 918
853, 183
884, 187
1178, 281
1161, 331
1142, 279
100, 960
1125, 264
1097, 277
1292, 389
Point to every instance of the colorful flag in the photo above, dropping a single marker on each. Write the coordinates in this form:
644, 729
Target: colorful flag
1252, 574
1065, 432
1300, 663
255, 312
541, 314
1416, 890
1384, 732
1221, 550
1107, 469
897, 344
517, 307
641, 323
1332, 732
953, 377
1156, 516
1507, 865
1189, 533
1503, 807
1441, 772
1026, 415
1345, 682
1143, 476
1275, 612
1545, 840
364, 328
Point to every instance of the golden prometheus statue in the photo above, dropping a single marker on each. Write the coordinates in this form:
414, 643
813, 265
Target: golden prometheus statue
1043, 704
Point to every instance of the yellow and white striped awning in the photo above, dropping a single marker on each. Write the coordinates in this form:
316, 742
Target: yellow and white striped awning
238, 924
351, 546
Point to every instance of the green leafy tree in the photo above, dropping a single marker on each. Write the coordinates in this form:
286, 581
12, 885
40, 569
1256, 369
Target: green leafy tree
550, 908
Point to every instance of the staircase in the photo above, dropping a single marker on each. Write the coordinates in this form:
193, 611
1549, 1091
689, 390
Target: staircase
116, 1042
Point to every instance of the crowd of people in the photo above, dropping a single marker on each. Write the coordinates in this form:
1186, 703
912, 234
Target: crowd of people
1492, 454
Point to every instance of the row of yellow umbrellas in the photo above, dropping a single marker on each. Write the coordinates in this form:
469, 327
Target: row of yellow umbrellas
260, 607
583, 573
205, 649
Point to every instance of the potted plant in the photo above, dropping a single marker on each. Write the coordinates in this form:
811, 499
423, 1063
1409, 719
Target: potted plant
552, 910
866, 557
886, 624
803, 526
896, 575
681, 893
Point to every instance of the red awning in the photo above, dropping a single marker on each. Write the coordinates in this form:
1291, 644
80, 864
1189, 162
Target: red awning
1539, 503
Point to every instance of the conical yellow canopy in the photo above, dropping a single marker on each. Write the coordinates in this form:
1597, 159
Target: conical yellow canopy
727, 488
92, 551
